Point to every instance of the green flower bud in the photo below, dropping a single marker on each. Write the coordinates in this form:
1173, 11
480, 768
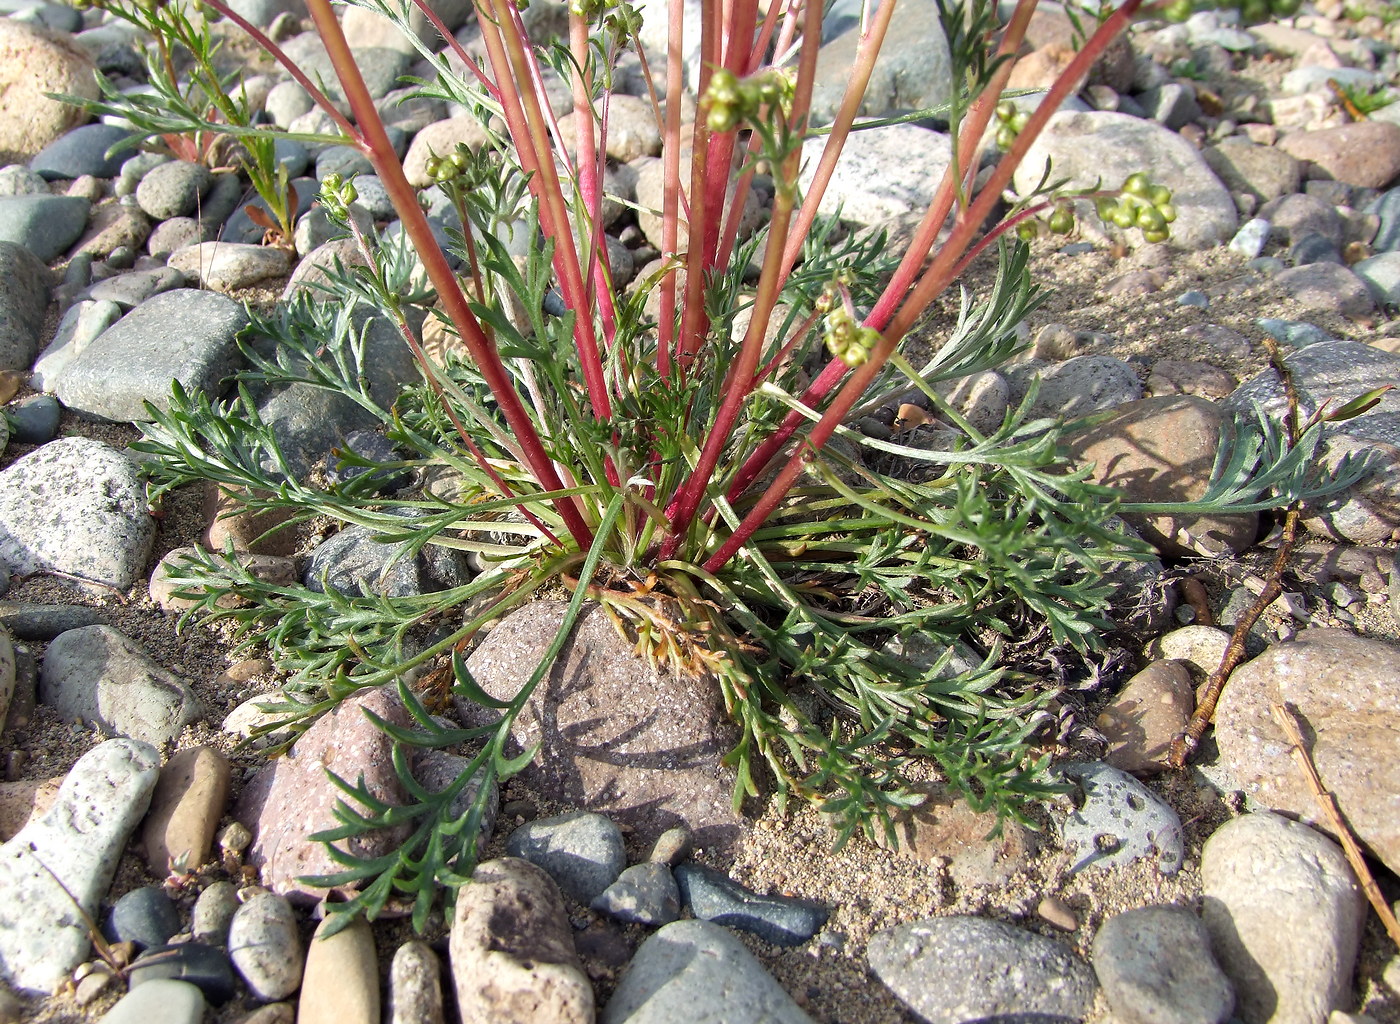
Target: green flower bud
1136, 184
1027, 230
1005, 111
1005, 137
1168, 212
1161, 195
722, 119
1178, 11
1123, 217
1019, 122
1061, 221
1156, 236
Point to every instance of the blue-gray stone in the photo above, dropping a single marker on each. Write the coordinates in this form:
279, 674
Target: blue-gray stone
1382, 275
1119, 821
59, 17
643, 894
173, 189
375, 447
1386, 206
130, 290
292, 155
582, 851
379, 66
714, 896
1193, 297
144, 916
1297, 333
342, 160
374, 197
354, 562
1313, 247
182, 335
136, 168
18, 180
956, 969
220, 203
161, 1001
698, 972
241, 228
913, 71
24, 302
1171, 104
45, 225
83, 151
205, 967
34, 420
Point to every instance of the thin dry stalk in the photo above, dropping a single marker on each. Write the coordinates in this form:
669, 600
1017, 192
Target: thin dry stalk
1185, 745
1289, 724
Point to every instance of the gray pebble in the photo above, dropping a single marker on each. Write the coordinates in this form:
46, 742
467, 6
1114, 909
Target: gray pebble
213, 913
781, 920
582, 851
265, 946
643, 894
1156, 967
1121, 821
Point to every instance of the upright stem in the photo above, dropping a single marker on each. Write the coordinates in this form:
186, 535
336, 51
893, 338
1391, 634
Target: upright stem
381, 155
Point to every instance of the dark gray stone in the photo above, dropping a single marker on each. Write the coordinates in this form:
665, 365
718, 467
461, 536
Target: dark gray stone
952, 970
1313, 248
912, 72
34, 420
207, 968
45, 225
27, 621
240, 227
781, 920
643, 894
182, 335
145, 916
174, 189
582, 851
292, 155
24, 302
1386, 206
353, 562
372, 445
83, 151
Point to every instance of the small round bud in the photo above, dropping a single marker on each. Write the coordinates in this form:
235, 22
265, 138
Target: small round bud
1168, 212
1006, 110
1005, 137
1027, 230
1178, 11
1161, 195
1156, 236
1136, 184
1061, 221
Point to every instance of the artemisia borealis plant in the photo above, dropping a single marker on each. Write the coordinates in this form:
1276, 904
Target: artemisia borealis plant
681, 451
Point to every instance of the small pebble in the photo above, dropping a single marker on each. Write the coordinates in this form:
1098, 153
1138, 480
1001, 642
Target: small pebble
1056, 912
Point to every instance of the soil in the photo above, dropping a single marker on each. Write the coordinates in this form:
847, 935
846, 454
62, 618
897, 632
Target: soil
869, 888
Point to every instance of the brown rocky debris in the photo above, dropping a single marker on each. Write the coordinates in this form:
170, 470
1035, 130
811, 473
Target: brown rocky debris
185, 809
641, 746
1345, 692
1366, 153
945, 828
230, 522
292, 797
512, 950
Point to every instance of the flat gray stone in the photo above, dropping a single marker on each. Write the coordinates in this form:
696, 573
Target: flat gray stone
913, 71
80, 839
582, 851
182, 335
76, 506
162, 1001
698, 972
956, 970
84, 321
97, 674
45, 225
227, 266
174, 189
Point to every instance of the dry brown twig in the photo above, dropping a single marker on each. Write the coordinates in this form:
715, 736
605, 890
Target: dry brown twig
1185, 744
1289, 724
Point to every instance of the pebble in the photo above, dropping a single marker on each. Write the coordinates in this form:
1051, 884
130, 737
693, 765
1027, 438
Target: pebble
951, 970
1329, 287
265, 947
354, 562
512, 952
162, 1001
672, 846
1120, 821
102, 677
213, 913
1141, 722
1056, 912
1250, 239
45, 225
79, 839
130, 290
713, 896
24, 304
1155, 966
228, 266
185, 810
880, 175
1366, 153
582, 851
341, 981
415, 985
205, 967
680, 972
643, 894
1284, 915
83, 151
80, 324
145, 917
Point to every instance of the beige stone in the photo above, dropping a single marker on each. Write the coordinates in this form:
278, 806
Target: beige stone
185, 809
1142, 720
341, 981
34, 62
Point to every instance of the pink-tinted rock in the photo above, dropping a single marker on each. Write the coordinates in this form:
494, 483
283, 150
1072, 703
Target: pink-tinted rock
1141, 721
1366, 153
292, 797
944, 828
1327, 286
1345, 693
642, 746
1163, 449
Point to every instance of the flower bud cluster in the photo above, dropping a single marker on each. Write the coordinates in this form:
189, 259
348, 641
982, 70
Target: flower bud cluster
729, 101
1012, 123
1252, 12
1141, 205
443, 169
846, 339
336, 196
